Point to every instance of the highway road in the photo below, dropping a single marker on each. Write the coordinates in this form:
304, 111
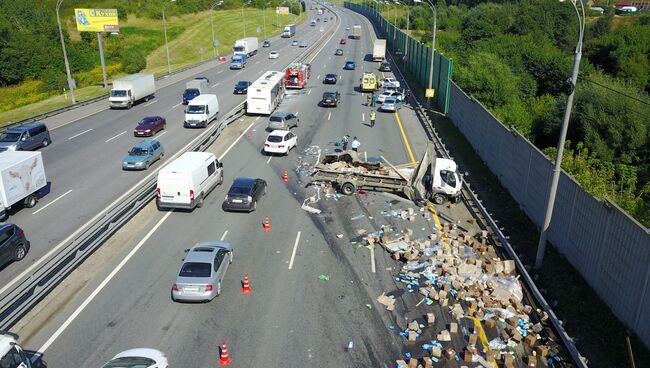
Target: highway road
83, 164
121, 297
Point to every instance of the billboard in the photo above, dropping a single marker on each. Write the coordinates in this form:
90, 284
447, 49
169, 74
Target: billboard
282, 10
96, 20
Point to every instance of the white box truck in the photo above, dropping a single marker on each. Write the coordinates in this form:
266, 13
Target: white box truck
246, 46
131, 89
201, 110
289, 31
356, 32
379, 50
187, 180
22, 176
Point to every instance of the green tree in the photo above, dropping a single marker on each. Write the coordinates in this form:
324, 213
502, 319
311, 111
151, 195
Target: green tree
488, 79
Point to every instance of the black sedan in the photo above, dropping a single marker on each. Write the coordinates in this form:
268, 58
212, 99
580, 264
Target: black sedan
331, 98
244, 194
330, 79
241, 88
384, 67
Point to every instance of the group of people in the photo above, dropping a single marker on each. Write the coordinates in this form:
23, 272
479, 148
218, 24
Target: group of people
354, 145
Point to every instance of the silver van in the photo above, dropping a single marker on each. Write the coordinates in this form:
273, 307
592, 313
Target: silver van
282, 121
26, 137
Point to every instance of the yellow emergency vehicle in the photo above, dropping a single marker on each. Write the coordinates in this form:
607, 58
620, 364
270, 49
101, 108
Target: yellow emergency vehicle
369, 82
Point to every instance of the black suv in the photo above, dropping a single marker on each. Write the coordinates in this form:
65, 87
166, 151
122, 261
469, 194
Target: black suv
13, 244
331, 99
384, 67
241, 88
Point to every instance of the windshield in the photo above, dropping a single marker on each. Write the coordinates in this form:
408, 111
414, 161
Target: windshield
195, 109
130, 362
328, 95
10, 137
448, 177
137, 151
389, 101
274, 138
238, 48
118, 93
195, 269
192, 91
330, 76
242, 84
147, 121
276, 118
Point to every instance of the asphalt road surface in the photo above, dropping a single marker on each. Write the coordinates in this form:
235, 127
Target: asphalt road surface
83, 164
120, 298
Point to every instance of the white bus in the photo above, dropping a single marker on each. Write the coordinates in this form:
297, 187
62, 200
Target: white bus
265, 94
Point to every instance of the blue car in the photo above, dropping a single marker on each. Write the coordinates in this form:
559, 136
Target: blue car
350, 65
142, 155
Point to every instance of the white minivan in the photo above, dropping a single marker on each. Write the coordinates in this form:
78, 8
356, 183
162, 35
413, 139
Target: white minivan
201, 110
186, 181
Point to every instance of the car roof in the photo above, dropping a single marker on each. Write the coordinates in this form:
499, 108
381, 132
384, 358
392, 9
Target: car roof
153, 354
25, 127
281, 114
330, 92
145, 143
205, 251
243, 182
278, 132
152, 117
243, 82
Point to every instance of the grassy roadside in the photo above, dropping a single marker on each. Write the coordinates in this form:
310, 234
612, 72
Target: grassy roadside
187, 34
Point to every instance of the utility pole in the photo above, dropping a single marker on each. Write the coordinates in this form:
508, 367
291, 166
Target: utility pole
71, 83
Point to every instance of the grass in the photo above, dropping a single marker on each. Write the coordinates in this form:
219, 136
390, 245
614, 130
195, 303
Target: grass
186, 35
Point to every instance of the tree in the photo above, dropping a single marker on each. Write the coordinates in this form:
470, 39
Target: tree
488, 78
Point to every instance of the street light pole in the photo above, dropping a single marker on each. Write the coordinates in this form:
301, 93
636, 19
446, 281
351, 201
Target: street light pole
71, 85
541, 246
169, 64
214, 47
243, 19
433, 45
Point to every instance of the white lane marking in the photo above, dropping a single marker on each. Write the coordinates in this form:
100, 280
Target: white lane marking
150, 103
257, 118
92, 296
269, 160
308, 92
324, 66
297, 112
56, 199
110, 139
236, 140
257, 62
363, 116
372, 259
84, 132
219, 72
329, 116
175, 106
293, 254
224, 235
214, 85
318, 77
365, 156
161, 134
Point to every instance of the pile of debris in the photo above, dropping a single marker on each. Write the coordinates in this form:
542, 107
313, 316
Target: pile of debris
461, 272
349, 161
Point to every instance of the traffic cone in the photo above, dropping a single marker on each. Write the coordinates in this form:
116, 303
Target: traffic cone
267, 224
224, 357
285, 176
247, 286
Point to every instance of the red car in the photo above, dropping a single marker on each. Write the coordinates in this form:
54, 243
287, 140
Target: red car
149, 126
343, 41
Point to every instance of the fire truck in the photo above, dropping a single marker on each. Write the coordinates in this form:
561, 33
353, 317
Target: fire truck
296, 75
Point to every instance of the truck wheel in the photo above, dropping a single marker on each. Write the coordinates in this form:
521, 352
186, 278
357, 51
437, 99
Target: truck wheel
19, 253
348, 189
30, 201
438, 198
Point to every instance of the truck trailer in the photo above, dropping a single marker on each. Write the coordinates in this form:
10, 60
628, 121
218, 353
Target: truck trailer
432, 178
296, 75
246, 46
356, 32
379, 50
289, 31
128, 90
22, 176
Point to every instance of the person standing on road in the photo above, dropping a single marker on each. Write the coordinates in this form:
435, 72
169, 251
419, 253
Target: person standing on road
373, 99
373, 116
355, 144
344, 142
369, 100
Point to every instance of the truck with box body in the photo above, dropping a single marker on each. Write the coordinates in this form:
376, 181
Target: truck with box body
238, 61
289, 31
201, 111
379, 50
22, 176
127, 91
194, 88
186, 181
246, 46
356, 32
431, 178
265, 93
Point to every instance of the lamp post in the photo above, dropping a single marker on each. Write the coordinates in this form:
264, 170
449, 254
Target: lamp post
433, 44
243, 19
169, 64
408, 22
541, 246
214, 47
71, 85
264, 16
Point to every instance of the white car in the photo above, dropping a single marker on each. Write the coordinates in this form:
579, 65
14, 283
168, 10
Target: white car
347, 28
391, 104
140, 358
280, 141
274, 55
388, 94
294, 43
389, 83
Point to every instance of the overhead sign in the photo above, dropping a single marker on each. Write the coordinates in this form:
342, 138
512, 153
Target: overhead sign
429, 93
96, 20
282, 10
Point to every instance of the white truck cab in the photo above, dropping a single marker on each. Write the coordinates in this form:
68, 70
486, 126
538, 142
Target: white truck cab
446, 183
11, 354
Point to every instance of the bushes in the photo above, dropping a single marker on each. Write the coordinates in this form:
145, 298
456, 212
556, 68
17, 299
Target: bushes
134, 61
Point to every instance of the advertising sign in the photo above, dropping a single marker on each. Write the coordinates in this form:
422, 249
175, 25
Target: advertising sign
282, 10
96, 20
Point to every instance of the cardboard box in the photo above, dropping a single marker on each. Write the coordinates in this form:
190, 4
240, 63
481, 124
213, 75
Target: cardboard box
401, 364
530, 340
428, 363
532, 361
453, 327
542, 350
508, 361
431, 318
414, 326
444, 336
468, 356
412, 336
490, 323
436, 351
472, 340
413, 363
450, 353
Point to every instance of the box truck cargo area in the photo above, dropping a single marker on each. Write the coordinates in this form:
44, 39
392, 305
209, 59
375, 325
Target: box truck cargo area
22, 177
129, 90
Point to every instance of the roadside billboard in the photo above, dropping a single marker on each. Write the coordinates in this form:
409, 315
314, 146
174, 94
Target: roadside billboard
96, 20
282, 10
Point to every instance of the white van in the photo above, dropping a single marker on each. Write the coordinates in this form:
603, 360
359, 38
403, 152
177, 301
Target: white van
186, 181
201, 110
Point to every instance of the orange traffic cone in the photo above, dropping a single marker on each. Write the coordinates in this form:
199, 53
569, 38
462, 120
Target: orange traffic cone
224, 357
247, 286
285, 176
267, 224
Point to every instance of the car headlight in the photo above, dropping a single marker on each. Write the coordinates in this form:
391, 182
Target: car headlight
125, 163
148, 130
139, 163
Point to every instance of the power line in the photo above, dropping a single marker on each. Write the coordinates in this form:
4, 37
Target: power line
618, 92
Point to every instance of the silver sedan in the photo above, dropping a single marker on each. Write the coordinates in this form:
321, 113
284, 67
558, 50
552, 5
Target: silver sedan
202, 272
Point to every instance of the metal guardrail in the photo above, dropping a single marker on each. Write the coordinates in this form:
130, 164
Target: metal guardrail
36, 286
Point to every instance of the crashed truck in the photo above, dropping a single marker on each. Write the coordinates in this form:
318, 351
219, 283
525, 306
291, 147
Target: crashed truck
432, 178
